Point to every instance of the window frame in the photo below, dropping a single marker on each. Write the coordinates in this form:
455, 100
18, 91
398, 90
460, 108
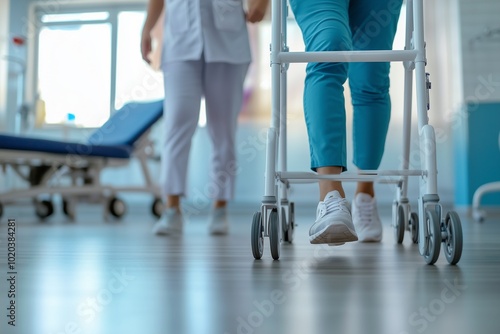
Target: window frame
40, 9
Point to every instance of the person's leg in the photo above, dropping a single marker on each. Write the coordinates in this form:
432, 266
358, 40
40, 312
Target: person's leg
373, 25
183, 90
223, 88
324, 26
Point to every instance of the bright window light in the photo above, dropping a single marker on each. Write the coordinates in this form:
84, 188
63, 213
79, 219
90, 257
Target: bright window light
74, 74
135, 79
93, 16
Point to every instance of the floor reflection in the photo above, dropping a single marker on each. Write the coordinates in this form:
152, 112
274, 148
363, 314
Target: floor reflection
95, 277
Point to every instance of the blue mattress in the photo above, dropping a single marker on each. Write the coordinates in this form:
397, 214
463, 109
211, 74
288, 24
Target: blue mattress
115, 139
59, 147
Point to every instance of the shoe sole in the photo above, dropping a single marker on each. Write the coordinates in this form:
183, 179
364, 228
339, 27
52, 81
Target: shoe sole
166, 231
371, 239
334, 235
219, 231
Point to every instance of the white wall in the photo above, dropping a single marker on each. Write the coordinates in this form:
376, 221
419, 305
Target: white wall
4, 38
479, 118
480, 35
17, 22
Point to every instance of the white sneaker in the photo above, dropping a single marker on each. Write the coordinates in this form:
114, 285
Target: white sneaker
171, 222
333, 223
218, 224
366, 219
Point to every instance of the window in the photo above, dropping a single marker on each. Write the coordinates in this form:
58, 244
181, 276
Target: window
74, 74
135, 79
89, 64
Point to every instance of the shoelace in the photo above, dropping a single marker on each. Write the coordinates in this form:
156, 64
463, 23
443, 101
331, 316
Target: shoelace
332, 205
364, 212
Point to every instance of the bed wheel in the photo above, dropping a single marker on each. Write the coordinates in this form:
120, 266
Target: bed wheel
44, 208
157, 207
117, 207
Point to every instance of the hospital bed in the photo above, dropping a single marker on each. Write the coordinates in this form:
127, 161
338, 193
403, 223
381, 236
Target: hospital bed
430, 226
73, 169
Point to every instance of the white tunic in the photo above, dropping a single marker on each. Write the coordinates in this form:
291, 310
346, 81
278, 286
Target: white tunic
215, 29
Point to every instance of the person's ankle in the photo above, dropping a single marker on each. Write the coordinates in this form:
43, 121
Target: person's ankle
219, 205
365, 188
371, 194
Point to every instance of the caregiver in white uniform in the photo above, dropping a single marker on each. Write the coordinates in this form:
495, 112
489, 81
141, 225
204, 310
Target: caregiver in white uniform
206, 52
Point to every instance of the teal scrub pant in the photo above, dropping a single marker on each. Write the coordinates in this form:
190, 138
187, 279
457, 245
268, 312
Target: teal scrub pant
341, 25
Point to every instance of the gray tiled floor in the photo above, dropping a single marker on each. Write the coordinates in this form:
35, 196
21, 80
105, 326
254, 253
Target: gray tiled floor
92, 276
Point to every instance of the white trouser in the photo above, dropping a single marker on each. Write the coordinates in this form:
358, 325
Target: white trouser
222, 86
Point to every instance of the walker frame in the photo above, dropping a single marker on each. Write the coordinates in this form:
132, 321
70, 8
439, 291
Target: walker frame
276, 218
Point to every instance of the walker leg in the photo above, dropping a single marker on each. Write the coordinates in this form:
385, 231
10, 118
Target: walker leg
429, 208
433, 229
285, 208
401, 204
269, 216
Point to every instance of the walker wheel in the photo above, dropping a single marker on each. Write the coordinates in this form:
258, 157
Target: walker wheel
68, 207
288, 234
284, 226
453, 243
257, 235
117, 207
157, 207
44, 208
274, 234
432, 237
414, 227
399, 229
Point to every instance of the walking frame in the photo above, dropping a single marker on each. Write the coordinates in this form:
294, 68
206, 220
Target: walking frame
276, 218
